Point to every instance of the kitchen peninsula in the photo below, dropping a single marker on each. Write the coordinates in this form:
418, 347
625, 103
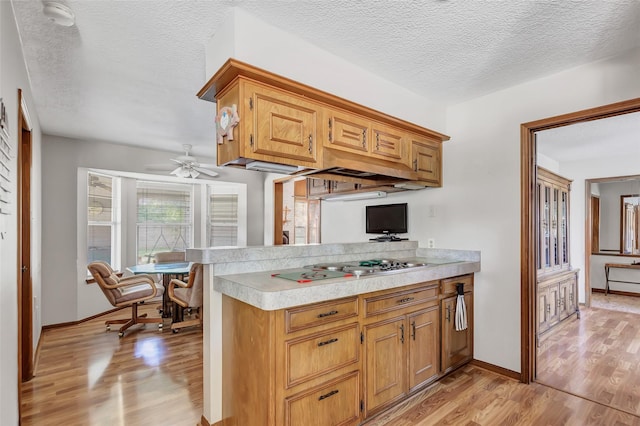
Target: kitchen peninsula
278, 351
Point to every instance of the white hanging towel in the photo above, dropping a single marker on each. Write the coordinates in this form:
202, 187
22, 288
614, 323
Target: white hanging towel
461, 309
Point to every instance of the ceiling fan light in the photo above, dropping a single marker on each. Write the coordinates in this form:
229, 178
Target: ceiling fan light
194, 173
58, 13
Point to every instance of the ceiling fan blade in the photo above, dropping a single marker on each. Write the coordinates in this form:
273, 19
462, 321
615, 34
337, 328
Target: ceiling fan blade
206, 172
176, 161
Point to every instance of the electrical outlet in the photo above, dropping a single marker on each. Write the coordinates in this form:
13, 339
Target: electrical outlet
431, 243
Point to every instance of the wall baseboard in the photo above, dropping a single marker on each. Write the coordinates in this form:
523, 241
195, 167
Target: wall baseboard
618, 292
495, 369
65, 324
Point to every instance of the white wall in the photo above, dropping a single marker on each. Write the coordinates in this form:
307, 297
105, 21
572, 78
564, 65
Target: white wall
13, 75
64, 288
482, 186
248, 39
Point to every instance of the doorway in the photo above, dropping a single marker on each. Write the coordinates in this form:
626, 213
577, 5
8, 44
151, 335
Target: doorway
25, 289
528, 222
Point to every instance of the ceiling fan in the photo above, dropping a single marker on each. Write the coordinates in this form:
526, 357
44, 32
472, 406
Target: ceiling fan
188, 165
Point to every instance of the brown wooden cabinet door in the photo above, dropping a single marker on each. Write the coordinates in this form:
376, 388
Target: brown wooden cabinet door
543, 310
348, 132
338, 186
457, 346
388, 143
385, 371
423, 347
336, 403
426, 160
317, 186
283, 125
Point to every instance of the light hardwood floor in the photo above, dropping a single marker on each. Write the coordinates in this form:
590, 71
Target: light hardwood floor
598, 356
88, 377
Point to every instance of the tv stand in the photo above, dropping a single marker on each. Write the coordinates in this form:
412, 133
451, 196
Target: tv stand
387, 238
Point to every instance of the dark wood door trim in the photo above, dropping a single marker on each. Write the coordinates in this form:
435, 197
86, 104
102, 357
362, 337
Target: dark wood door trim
527, 206
25, 289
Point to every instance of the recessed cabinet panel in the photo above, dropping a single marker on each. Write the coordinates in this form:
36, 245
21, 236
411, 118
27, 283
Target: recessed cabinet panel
336, 403
284, 126
385, 363
348, 132
457, 346
387, 143
311, 356
423, 344
427, 160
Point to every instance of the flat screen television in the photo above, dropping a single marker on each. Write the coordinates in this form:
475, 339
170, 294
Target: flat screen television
386, 219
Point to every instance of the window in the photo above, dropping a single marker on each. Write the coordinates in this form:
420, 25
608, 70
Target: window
223, 220
102, 219
164, 218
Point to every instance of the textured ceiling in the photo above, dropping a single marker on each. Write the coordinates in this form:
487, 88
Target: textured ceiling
128, 71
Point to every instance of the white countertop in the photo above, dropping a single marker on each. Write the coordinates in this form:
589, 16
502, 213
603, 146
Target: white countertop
245, 273
268, 292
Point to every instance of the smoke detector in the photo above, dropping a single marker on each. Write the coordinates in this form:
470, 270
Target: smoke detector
58, 13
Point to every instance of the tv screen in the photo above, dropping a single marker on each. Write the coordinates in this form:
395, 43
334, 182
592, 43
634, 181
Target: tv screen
386, 219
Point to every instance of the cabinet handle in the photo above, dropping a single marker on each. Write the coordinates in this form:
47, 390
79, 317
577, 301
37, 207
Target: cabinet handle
330, 130
377, 141
401, 333
406, 299
413, 330
327, 314
548, 308
328, 342
364, 138
415, 164
251, 140
448, 314
251, 103
310, 144
327, 395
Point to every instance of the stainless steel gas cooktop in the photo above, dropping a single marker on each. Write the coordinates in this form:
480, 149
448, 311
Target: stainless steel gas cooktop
367, 267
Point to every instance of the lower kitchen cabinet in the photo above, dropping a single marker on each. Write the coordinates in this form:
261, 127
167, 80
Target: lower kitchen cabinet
334, 403
341, 361
401, 350
456, 346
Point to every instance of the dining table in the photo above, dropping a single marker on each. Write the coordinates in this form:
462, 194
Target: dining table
167, 271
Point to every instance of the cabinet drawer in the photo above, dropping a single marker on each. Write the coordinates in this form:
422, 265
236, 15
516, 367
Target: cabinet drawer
336, 403
398, 300
309, 316
320, 353
449, 285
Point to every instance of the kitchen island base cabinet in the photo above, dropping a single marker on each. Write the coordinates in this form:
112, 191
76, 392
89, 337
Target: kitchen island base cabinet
342, 361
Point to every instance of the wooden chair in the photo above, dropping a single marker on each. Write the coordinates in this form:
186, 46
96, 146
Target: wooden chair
129, 291
186, 296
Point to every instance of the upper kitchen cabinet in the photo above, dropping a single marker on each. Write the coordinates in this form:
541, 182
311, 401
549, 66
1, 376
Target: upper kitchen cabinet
389, 143
283, 123
275, 127
426, 159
